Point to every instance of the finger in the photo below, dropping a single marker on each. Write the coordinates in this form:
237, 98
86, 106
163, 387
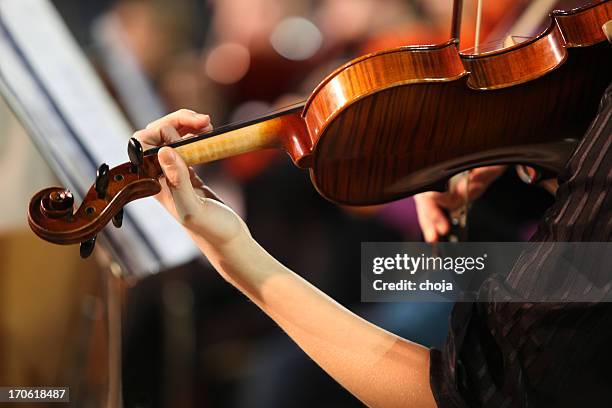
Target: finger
427, 227
449, 200
433, 221
459, 190
207, 219
471, 186
209, 193
157, 136
196, 181
479, 180
183, 120
187, 132
200, 188
179, 183
486, 175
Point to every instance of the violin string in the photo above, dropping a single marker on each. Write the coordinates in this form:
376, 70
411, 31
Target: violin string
261, 116
267, 113
281, 109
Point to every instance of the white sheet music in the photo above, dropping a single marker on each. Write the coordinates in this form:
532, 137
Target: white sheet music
62, 102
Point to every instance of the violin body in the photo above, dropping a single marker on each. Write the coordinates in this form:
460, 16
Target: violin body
392, 124
404, 121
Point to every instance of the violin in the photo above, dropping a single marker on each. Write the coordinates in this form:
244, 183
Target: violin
391, 124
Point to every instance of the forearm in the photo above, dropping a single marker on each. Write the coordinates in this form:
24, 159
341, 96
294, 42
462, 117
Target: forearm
378, 367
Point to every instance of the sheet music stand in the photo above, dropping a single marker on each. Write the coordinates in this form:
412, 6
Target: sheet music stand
70, 117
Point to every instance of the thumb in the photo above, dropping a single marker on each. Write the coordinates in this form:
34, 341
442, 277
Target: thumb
179, 183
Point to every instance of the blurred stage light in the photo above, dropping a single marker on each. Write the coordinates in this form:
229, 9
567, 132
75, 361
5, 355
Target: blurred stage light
296, 38
228, 63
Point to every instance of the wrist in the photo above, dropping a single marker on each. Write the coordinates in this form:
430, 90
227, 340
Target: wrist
243, 263
216, 224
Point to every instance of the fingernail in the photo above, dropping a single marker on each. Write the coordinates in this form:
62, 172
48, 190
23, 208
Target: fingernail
203, 116
166, 156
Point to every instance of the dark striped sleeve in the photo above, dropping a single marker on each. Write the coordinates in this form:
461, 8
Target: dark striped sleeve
541, 354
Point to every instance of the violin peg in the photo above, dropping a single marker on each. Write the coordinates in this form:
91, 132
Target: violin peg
118, 219
102, 180
135, 153
87, 247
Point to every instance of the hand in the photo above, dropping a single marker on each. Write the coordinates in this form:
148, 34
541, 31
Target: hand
183, 193
431, 205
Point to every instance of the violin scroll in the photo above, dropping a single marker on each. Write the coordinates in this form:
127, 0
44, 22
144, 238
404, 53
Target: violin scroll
52, 214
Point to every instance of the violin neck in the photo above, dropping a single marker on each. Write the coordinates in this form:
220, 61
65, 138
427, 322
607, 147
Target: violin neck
267, 132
